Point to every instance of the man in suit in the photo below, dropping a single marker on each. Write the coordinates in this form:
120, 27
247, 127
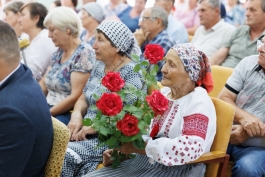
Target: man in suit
26, 130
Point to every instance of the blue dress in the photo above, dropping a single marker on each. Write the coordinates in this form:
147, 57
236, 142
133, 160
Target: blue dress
131, 23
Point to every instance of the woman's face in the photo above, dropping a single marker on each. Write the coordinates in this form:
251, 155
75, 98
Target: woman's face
139, 5
85, 18
27, 23
174, 73
11, 18
59, 37
103, 49
67, 3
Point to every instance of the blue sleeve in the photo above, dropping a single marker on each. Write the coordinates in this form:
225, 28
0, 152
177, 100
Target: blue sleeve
17, 141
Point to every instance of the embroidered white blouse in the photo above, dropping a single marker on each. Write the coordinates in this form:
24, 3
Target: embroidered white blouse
186, 130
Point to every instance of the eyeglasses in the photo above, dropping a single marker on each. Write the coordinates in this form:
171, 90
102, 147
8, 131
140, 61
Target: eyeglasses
143, 19
261, 45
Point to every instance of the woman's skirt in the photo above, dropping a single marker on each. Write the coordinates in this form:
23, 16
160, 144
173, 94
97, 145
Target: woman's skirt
140, 167
82, 157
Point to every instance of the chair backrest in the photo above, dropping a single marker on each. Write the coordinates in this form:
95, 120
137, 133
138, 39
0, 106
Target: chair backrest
224, 119
224, 116
61, 137
220, 76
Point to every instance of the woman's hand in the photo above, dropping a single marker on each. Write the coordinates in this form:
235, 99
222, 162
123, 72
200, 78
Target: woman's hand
86, 130
128, 148
75, 124
107, 157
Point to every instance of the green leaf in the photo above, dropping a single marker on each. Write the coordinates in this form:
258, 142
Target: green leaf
141, 125
112, 142
130, 108
93, 107
154, 70
135, 58
116, 163
145, 63
87, 122
103, 131
96, 96
137, 68
139, 143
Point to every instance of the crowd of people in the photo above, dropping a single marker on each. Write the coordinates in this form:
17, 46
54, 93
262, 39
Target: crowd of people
70, 50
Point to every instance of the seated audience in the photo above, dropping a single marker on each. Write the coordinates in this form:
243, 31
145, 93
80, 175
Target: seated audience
175, 29
243, 40
87, 1
70, 3
153, 23
71, 64
115, 7
56, 3
186, 130
130, 16
213, 32
245, 91
12, 14
41, 48
25, 121
113, 49
92, 15
235, 12
188, 15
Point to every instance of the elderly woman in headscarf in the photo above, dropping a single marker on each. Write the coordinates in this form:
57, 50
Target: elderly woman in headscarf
185, 131
92, 15
113, 46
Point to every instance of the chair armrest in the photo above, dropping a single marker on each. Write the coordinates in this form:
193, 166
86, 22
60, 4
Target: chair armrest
210, 156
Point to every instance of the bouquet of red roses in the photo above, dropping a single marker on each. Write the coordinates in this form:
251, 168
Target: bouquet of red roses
117, 123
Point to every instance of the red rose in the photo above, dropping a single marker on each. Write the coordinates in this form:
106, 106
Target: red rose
153, 53
110, 104
128, 125
157, 102
113, 81
155, 130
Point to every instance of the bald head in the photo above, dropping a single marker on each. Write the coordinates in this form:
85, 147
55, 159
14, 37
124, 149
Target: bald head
9, 47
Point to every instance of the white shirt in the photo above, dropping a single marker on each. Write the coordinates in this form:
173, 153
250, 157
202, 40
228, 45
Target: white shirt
186, 129
1, 82
39, 53
211, 40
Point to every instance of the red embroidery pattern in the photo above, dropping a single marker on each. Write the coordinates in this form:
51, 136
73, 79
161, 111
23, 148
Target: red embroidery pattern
195, 124
170, 120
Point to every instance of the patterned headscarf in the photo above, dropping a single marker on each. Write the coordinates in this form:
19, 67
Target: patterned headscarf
95, 10
121, 36
196, 64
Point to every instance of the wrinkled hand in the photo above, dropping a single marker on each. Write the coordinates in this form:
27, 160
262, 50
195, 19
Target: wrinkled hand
81, 135
107, 157
75, 124
141, 36
238, 135
253, 126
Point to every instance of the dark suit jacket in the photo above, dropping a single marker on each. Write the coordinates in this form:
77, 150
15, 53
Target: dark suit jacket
26, 131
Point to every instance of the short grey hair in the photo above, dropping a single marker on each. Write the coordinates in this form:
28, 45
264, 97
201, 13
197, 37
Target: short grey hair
13, 6
213, 3
64, 18
159, 12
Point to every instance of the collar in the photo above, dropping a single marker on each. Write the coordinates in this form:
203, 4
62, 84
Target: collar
258, 68
217, 25
9, 75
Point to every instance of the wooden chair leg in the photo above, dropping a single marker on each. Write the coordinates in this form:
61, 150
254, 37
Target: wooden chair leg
223, 166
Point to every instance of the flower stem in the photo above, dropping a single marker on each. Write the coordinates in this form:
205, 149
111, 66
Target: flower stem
147, 71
